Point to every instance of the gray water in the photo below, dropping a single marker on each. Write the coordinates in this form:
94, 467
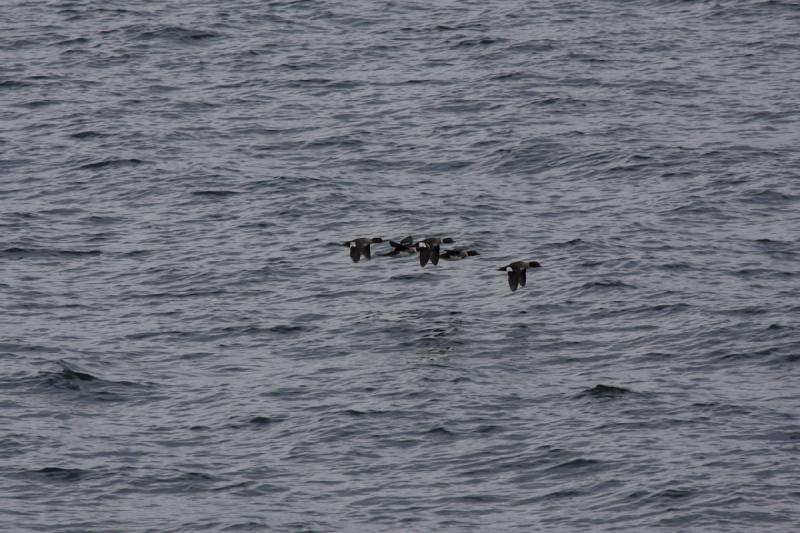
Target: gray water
182, 349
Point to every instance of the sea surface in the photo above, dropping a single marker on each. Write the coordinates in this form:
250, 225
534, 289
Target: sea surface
182, 349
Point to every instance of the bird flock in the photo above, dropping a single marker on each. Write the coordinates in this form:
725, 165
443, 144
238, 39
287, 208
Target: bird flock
430, 250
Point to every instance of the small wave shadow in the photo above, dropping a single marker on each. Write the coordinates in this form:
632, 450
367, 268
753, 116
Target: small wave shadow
17, 252
112, 163
221, 193
72, 377
258, 422
177, 34
606, 284
605, 392
55, 473
577, 242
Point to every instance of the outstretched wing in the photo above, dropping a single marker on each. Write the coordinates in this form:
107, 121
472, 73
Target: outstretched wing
367, 253
513, 279
522, 277
435, 254
424, 254
355, 253
407, 240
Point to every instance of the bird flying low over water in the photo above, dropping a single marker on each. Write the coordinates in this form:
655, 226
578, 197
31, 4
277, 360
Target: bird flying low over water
429, 249
516, 272
457, 253
360, 247
403, 248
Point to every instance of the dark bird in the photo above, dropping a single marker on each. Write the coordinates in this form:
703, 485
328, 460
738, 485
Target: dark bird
429, 249
402, 248
457, 253
360, 247
516, 272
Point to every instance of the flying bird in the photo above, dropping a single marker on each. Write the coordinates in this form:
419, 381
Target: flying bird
429, 249
457, 253
403, 248
360, 248
516, 272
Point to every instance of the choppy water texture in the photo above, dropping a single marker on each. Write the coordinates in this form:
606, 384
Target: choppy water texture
183, 350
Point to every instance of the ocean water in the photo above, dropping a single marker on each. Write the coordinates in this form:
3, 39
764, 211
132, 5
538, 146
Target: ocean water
182, 348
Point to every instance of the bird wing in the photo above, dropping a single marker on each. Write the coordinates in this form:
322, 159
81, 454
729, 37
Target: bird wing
424, 255
513, 279
355, 253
